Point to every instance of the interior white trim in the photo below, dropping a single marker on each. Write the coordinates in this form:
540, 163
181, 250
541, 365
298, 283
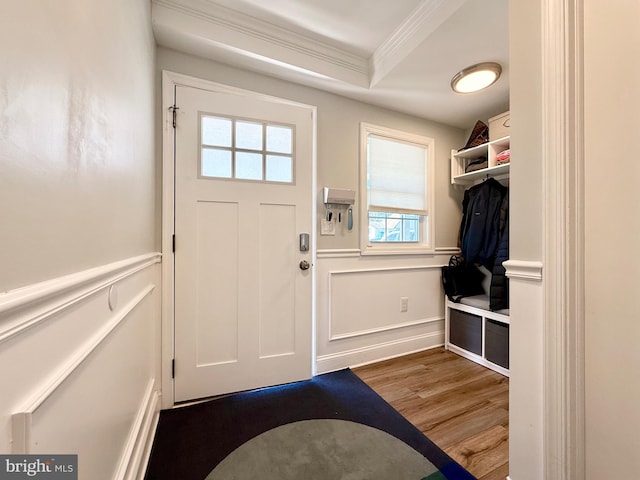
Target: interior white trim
356, 252
422, 22
258, 38
338, 253
169, 81
379, 352
146, 444
386, 328
383, 269
563, 193
447, 250
143, 427
25, 307
525, 270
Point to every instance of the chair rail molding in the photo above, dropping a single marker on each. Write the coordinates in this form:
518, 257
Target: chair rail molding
524, 270
25, 307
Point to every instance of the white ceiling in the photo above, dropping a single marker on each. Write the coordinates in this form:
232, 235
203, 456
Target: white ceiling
399, 54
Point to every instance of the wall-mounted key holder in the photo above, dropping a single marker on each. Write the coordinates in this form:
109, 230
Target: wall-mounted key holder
339, 196
338, 202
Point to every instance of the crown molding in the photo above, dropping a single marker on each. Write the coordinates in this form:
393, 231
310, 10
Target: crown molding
418, 26
225, 28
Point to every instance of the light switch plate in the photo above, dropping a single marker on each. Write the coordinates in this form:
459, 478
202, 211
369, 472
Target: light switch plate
327, 227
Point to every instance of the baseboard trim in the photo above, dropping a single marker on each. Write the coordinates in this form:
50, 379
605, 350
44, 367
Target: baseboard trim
379, 352
133, 458
148, 443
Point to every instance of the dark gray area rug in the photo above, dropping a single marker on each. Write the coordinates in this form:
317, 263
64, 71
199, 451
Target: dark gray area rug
331, 427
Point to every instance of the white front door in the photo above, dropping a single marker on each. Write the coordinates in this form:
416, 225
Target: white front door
243, 198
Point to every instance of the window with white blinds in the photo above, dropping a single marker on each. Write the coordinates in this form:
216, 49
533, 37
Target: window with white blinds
397, 190
397, 176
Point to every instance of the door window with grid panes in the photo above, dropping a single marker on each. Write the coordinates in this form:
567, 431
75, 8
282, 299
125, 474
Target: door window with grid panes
242, 149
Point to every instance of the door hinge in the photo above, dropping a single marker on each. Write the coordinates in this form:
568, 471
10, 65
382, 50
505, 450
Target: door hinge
173, 243
174, 110
173, 368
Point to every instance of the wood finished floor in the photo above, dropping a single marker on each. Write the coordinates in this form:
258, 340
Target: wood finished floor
461, 406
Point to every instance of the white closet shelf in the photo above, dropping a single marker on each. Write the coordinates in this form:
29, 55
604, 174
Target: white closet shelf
460, 160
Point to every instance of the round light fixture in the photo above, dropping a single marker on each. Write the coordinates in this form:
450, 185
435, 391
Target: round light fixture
476, 77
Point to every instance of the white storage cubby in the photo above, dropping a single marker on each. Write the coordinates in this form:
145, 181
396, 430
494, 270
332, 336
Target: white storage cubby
478, 334
460, 160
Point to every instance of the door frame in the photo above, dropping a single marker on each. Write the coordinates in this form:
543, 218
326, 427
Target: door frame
563, 250
169, 81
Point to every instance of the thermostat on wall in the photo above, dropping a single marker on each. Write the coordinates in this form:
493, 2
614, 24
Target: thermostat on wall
339, 196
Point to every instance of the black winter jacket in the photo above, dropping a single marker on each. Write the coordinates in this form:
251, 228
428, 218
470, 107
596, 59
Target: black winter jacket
499, 289
481, 227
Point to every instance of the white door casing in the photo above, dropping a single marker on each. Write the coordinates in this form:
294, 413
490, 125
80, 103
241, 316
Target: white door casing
243, 306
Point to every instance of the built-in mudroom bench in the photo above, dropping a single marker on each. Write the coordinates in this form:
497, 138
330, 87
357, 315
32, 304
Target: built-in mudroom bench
472, 329
476, 333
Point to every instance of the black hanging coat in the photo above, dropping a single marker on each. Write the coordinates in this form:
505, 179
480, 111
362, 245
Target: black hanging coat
480, 230
499, 289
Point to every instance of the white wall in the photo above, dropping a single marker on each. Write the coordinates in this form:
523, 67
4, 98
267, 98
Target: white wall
76, 97
78, 200
525, 241
382, 330
612, 236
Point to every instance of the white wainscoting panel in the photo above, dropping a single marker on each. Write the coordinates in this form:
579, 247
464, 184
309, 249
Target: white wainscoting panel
81, 356
526, 382
363, 302
358, 310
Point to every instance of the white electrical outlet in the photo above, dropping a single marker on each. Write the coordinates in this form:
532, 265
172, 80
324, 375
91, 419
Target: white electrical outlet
404, 304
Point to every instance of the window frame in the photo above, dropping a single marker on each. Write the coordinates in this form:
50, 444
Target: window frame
427, 222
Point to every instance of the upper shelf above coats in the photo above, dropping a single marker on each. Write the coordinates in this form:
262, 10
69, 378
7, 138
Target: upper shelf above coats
460, 161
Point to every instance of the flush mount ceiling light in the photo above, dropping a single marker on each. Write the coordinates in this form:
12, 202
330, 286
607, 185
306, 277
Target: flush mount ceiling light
476, 77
